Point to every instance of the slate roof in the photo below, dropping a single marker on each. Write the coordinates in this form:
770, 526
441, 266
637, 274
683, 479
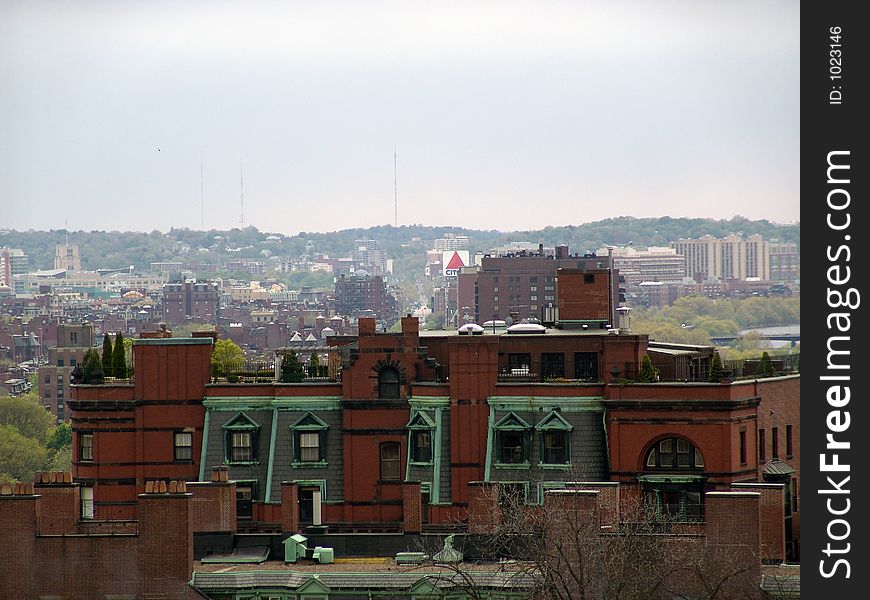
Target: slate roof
292, 580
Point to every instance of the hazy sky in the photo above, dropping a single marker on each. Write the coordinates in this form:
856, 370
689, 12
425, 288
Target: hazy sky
508, 115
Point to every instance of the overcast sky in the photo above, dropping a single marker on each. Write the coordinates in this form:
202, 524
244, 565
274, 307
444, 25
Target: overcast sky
507, 115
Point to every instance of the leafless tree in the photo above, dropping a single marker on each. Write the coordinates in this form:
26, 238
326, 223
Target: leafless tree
582, 546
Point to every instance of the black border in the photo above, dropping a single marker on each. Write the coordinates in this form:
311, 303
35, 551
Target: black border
827, 127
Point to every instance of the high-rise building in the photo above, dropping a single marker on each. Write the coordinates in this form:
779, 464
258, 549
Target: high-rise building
731, 257
451, 241
66, 256
785, 261
54, 378
190, 300
13, 261
523, 285
367, 255
656, 263
362, 294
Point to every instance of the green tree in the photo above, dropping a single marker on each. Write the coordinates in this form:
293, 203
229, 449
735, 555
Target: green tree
314, 366
59, 437
20, 456
648, 372
92, 368
119, 361
716, 369
292, 370
766, 367
128, 355
226, 358
26, 415
107, 355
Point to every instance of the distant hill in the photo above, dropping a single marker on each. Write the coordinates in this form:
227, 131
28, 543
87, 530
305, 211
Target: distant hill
115, 249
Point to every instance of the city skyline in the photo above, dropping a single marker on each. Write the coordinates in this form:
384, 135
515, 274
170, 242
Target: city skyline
503, 117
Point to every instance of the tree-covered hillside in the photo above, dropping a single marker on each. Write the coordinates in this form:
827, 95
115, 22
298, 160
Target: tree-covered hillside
115, 249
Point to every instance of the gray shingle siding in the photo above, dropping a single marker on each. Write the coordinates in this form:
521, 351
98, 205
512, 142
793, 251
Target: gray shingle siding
283, 470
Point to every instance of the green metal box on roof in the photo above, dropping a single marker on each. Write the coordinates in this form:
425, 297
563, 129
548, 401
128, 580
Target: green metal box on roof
295, 548
324, 556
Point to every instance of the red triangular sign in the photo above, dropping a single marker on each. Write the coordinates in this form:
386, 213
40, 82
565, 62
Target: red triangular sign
455, 262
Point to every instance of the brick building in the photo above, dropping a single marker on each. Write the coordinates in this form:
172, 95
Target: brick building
190, 300
185, 543
54, 378
363, 294
529, 409
523, 285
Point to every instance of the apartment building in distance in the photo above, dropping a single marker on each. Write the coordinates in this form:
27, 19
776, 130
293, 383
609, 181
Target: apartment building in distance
451, 241
785, 262
190, 300
655, 263
367, 255
73, 340
13, 261
731, 257
363, 294
523, 285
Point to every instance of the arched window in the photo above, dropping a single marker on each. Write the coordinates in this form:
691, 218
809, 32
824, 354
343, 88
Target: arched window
391, 461
674, 453
388, 383
673, 483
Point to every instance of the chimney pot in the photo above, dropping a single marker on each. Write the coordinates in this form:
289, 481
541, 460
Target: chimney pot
149, 487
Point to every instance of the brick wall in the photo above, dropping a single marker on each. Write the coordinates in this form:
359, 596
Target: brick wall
412, 507
36, 561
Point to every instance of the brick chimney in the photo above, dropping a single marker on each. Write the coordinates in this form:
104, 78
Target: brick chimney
367, 325
166, 536
60, 504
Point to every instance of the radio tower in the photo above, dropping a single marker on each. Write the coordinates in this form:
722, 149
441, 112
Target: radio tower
242, 187
395, 189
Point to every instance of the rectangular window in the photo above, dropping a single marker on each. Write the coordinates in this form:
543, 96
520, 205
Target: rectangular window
588, 278
183, 445
586, 366
73, 362
519, 361
533, 298
48, 379
241, 449
86, 446
59, 362
309, 447
774, 438
742, 446
553, 365
533, 288
391, 465
513, 447
555, 448
87, 497
422, 446
788, 446
762, 446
